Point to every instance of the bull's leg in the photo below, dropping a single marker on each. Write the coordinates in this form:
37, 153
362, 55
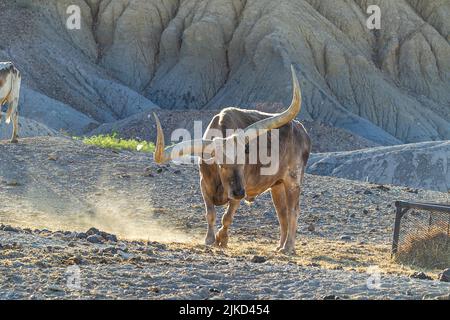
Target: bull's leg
210, 216
211, 220
279, 201
293, 191
293, 197
227, 219
15, 133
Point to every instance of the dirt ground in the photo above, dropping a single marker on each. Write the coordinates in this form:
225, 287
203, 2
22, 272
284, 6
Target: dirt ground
157, 214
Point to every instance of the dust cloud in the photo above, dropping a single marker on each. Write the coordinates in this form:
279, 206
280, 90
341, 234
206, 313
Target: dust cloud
110, 212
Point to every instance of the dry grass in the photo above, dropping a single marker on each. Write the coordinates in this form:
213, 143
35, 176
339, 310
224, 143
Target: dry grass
320, 253
428, 249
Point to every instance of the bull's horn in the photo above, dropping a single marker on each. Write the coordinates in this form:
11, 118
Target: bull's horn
280, 119
184, 148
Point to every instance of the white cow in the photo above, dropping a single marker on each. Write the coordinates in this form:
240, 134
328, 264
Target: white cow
9, 94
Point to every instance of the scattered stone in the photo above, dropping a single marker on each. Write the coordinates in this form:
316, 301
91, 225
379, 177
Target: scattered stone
95, 238
92, 231
124, 255
109, 250
331, 297
311, 227
445, 275
10, 229
52, 157
110, 237
177, 172
410, 190
367, 192
214, 290
104, 235
81, 235
12, 183
75, 260
346, 237
420, 275
122, 246
258, 259
383, 188
154, 289
148, 175
56, 288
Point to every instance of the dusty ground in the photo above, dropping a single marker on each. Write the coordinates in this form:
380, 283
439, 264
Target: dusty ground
157, 214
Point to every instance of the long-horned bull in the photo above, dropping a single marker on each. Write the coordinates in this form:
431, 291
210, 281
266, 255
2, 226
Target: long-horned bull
229, 182
10, 80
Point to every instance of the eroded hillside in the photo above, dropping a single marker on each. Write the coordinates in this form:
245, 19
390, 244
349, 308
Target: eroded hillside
382, 84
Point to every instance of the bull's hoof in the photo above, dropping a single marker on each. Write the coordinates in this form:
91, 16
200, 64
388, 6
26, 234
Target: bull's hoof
287, 251
210, 240
221, 239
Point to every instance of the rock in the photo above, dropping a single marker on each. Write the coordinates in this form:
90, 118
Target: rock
394, 161
75, 260
346, 237
95, 238
420, 275
81, 235
311, 227
445, 275
93, 231
110, 237
56, 288
331, 297
383, 188
12, 183
104, 235
154, 289
124, 255
258, 259
10, 229
214, 290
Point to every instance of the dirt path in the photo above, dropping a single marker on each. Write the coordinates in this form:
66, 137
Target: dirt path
61, 184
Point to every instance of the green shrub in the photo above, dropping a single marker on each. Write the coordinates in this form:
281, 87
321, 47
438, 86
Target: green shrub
114, 142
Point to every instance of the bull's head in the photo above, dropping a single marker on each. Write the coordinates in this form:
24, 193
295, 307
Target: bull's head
231, 171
